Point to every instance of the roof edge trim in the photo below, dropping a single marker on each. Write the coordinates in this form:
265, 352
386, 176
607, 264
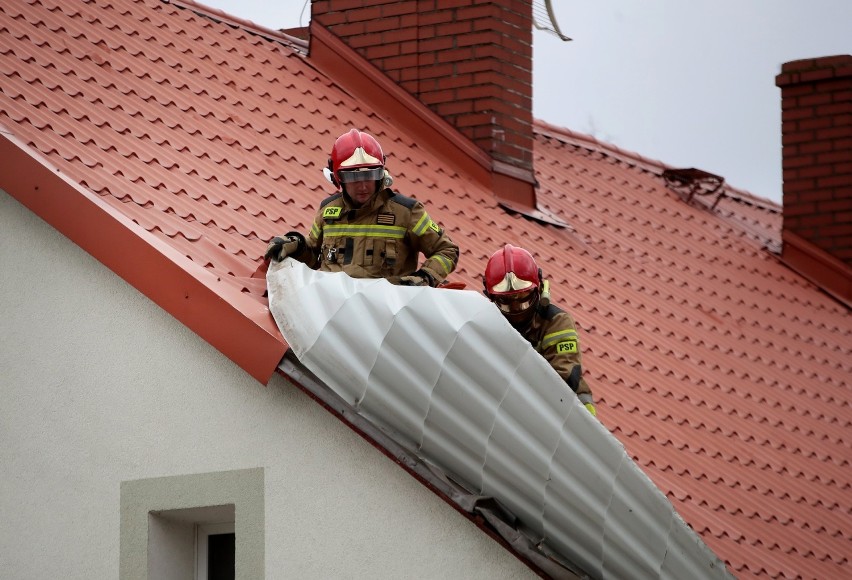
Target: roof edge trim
238, 326
818, 266
368, 84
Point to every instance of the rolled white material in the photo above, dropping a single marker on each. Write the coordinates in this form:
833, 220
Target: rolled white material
445, 375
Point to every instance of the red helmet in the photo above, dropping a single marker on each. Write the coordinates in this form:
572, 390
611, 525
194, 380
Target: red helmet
512, 281
356, 156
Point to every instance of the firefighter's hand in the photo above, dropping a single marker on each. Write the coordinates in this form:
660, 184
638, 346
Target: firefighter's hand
590, 407
418, 278
280, 248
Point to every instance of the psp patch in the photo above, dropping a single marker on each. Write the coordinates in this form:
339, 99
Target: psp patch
434, 227
566, 347
331, 213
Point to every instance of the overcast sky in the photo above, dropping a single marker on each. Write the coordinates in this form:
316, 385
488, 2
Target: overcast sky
690, 83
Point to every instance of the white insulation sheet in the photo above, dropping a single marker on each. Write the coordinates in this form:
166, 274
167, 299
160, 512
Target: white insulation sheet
445, 375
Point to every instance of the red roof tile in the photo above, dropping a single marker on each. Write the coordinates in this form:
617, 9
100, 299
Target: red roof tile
725, 375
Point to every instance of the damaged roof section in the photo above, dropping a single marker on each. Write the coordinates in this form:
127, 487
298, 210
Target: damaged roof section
443, 373
194, 139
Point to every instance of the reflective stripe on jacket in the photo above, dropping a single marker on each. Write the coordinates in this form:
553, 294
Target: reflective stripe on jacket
380, 240
553, 334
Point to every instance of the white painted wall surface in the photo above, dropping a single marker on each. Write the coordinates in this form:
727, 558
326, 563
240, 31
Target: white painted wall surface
99, 385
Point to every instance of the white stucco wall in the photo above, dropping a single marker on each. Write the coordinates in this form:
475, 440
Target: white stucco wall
98, 385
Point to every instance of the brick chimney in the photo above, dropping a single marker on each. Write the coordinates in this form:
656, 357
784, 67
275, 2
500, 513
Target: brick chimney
816, 128
468, 61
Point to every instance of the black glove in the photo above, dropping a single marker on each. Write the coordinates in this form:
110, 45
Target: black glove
279, 248
418, 278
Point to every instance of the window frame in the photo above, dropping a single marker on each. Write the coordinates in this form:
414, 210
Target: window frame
151, 505
202, 543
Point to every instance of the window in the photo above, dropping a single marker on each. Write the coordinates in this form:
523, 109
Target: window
186, 526
215, 546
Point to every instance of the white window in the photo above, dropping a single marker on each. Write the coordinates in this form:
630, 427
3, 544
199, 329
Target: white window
215, 548
185, 526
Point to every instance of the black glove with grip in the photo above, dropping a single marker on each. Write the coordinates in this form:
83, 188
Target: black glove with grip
417, 278
279, 248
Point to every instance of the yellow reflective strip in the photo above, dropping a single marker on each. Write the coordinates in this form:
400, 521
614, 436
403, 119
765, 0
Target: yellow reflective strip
421, 225
554, 337
445, 263
353, 231
315, 231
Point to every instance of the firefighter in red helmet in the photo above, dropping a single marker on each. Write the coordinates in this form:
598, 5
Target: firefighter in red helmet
514, 283
367, 230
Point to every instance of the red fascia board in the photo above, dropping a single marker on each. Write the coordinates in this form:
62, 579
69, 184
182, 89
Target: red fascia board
238, 326
824, 270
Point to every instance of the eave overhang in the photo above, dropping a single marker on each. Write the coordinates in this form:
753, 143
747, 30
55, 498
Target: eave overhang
239, 326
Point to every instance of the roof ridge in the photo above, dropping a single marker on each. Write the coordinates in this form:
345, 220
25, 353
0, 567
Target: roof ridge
247, 25
585, 140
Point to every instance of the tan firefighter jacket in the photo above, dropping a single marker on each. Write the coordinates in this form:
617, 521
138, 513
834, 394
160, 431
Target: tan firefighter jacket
382, 239
553, 334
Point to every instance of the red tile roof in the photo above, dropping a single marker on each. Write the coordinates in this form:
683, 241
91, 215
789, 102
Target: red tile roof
171, 145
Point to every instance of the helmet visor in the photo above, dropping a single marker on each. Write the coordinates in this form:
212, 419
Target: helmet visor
362, 174
515, 303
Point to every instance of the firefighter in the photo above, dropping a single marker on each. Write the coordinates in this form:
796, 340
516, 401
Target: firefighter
514, 283
367, 230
